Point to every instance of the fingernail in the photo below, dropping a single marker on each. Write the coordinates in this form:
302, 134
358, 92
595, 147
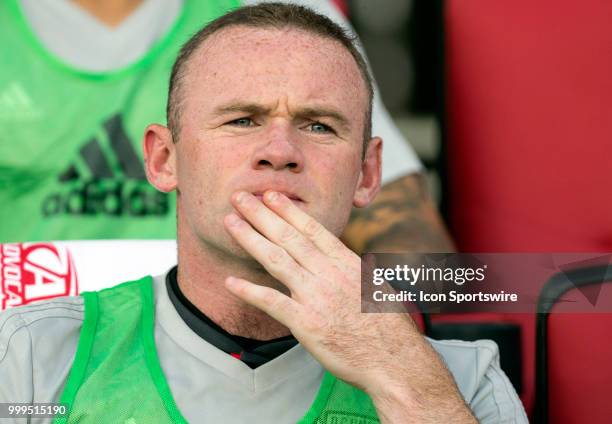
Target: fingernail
242, 196
272, 196
232, 282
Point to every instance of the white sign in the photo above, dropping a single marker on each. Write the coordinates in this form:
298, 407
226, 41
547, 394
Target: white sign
42, 270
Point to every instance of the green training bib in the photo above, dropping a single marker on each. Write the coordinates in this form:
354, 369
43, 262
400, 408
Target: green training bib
70, 147
116, 376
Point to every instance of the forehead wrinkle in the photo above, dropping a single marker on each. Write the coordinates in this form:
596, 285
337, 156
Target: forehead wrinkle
305, 112
239, 106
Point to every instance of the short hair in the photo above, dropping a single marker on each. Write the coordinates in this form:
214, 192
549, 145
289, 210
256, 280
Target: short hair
266, 15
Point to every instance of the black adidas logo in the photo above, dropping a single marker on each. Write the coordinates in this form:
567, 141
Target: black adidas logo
108, 179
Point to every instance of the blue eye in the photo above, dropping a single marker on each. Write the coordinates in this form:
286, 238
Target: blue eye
318, 127
242, 122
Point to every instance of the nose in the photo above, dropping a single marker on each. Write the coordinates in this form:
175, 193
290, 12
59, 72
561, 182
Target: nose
280, 151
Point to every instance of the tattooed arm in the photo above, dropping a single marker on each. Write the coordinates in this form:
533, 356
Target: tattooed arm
403, 218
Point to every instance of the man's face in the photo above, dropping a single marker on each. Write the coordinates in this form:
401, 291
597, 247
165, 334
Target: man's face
268, 109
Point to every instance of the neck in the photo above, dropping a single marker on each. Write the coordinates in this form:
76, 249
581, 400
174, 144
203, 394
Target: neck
109, 12
201, 274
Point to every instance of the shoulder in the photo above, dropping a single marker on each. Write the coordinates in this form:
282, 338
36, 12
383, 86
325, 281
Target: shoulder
480, 379
43, 313
37, 345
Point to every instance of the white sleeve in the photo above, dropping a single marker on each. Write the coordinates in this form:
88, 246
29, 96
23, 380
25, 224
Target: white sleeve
481, 381
15, 362
495, 401
37, 347
399, 158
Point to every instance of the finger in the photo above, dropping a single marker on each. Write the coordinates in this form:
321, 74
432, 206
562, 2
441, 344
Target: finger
273, 258
280, 307
279, 231
313, 230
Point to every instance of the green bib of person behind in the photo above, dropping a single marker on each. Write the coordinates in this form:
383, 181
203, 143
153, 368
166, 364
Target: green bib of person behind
70, 147
116, 376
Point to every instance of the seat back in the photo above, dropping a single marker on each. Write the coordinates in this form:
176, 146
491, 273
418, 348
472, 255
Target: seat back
528, 130
529, 124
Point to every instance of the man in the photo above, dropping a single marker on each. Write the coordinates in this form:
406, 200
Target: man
107, 62
268, 145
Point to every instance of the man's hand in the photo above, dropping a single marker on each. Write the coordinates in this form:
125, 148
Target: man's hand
383, 354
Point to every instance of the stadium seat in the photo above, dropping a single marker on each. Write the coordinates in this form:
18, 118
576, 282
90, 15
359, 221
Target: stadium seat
527, 135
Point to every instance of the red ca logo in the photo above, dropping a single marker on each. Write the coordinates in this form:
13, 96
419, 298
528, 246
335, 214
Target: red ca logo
35, 271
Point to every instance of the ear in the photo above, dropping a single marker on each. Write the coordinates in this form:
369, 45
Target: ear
160, 157
370, 177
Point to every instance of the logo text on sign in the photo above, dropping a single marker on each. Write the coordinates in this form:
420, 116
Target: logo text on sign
35, 271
